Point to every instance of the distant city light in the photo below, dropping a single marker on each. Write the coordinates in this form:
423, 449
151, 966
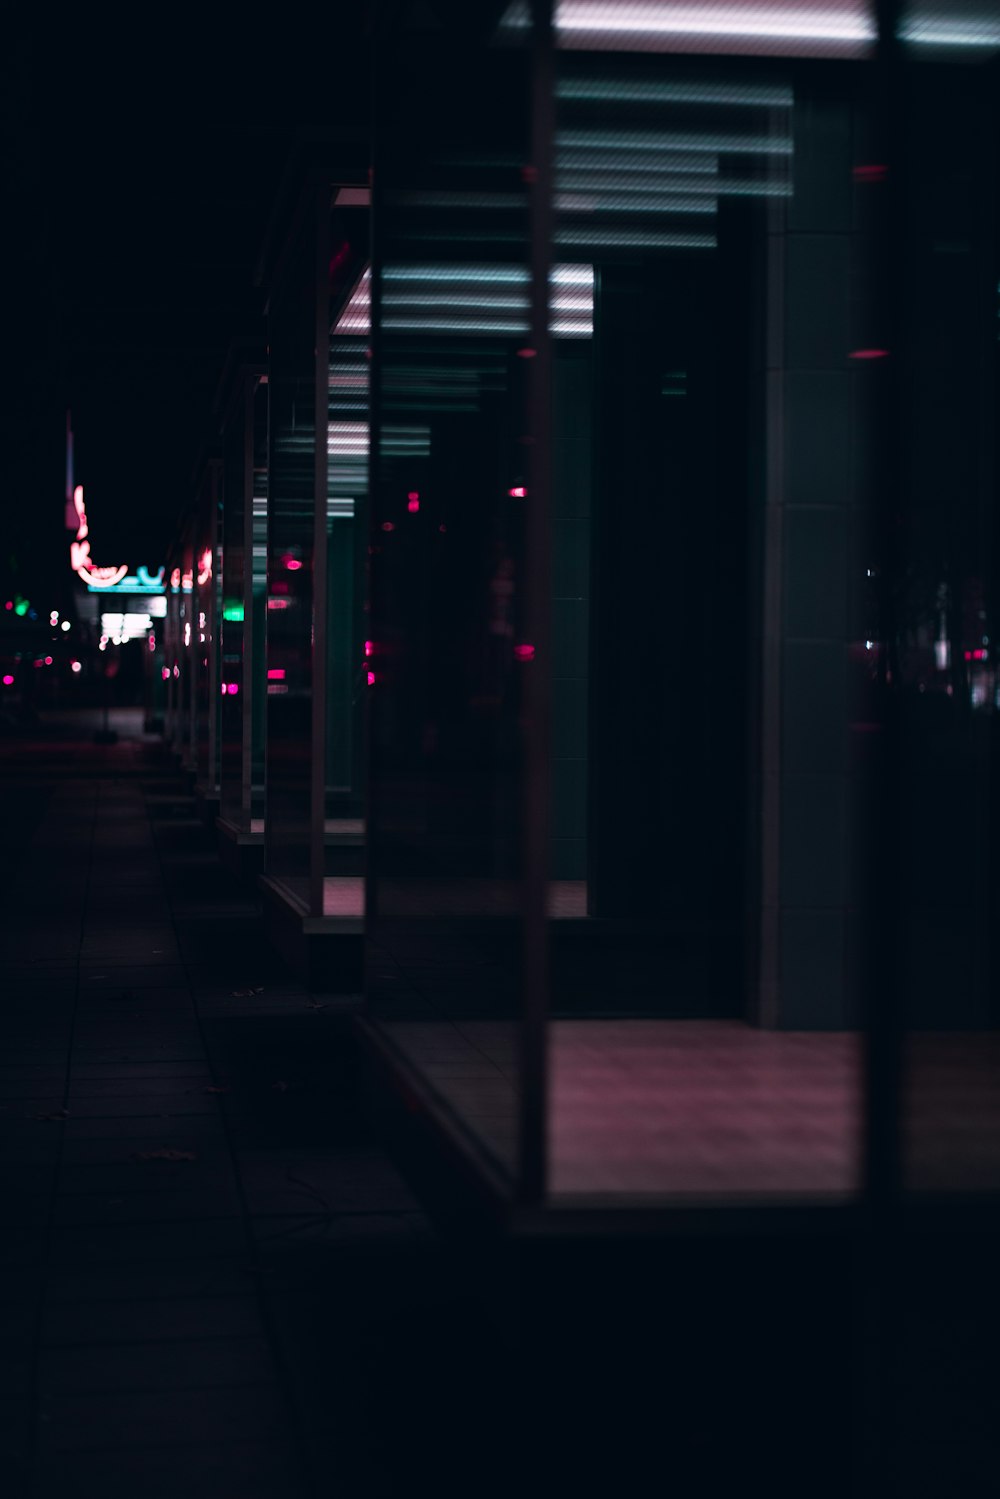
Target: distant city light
65, 625
8, 680
75, 666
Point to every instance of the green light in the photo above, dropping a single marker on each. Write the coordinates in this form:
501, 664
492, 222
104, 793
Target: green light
21, 606
233, 611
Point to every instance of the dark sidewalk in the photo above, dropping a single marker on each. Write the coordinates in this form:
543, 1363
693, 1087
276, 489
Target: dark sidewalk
214, 1282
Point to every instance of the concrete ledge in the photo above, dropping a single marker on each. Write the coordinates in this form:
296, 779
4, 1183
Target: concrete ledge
325, 952
206, 803
241, 853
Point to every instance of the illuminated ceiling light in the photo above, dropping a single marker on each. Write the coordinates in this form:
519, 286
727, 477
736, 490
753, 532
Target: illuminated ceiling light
627, 238
628, 202
944, 30
629, 91
793, 29
660, 141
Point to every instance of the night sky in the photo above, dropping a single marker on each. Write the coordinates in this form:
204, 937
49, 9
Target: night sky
143, 172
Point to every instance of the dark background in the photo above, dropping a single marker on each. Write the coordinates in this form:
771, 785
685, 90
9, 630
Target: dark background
145, 162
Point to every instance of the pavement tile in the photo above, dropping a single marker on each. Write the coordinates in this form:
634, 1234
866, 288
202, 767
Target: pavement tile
245, 1470
149, 1243
193, 1364
82, 1422
79, 1286
66, 1323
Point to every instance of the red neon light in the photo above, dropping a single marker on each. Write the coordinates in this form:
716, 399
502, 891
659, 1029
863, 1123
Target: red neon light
869, 354
413, 505
369, 648
9, 604
276, 674
518, 492
524, 652
277, 603
292, 563
371, 679
48, 661
8, 680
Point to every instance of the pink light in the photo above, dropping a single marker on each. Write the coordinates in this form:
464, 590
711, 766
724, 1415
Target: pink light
369, 648
165, 673
277, 603
276, 674
413, 494
75, 666
870, 354
177, 671
8, 680
274, 688
152, 641
518, 492
224, 688
524, 652
234, 688
48, 661
413, 504
874, 173
442, 529
292, 563
387, 525
371, 679
9, 604
525, 353
204, 567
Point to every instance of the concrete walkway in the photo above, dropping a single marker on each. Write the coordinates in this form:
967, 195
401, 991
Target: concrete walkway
214, 1281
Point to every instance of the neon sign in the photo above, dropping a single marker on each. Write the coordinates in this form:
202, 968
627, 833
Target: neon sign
105, 579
